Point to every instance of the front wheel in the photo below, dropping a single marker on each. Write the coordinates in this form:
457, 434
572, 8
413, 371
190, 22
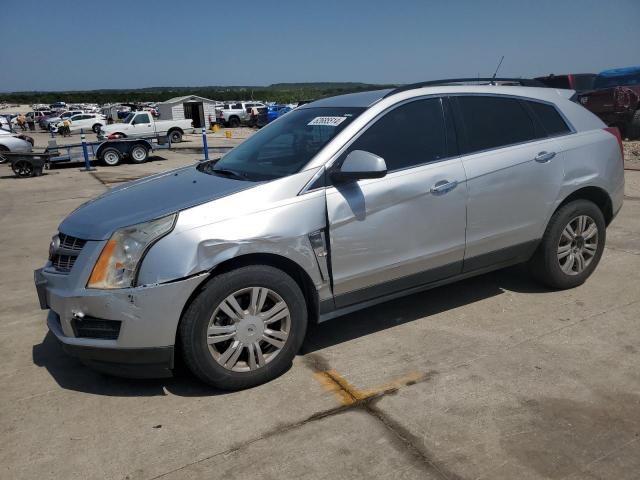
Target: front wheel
96, 128
3, 150
111, 157
571, 247
244, 327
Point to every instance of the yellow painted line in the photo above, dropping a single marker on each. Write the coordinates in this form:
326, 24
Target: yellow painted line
347, 394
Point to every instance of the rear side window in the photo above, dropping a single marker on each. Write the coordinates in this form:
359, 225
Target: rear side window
493, 122
551, 120
409, 135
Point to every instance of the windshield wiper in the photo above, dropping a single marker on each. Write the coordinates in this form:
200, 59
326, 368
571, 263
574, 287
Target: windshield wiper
230, 173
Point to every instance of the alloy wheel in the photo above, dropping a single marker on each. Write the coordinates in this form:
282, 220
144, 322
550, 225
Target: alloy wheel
578, 245
248, 329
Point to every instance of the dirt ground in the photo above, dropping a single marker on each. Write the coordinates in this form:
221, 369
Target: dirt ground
632, 153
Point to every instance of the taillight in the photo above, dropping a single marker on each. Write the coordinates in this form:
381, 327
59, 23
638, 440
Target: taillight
114, 136
616, 133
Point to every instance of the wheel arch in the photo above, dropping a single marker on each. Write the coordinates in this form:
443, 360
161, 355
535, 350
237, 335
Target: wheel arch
597, 195
290, 267
173, 129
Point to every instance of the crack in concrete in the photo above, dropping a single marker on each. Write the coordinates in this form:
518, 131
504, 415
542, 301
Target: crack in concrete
353, 399
409, 440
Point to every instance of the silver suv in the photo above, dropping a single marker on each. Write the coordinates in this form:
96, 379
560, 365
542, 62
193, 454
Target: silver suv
338, 205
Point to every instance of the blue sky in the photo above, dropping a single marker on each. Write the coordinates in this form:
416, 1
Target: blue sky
62, 45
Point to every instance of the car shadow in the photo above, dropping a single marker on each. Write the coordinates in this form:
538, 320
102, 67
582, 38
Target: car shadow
418, 305
71, 374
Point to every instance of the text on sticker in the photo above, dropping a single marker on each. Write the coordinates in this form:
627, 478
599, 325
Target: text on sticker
327, 121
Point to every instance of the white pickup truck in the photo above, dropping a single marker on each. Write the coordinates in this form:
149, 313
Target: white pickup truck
142, 124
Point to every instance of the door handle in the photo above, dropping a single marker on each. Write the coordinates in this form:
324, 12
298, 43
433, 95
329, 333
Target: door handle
443, 186
544, 157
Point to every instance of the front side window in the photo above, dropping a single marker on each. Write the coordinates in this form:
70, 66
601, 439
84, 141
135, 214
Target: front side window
144, 118
284, 147
493, 122
409, 135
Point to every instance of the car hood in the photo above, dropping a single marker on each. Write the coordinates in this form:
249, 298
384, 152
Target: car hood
147, 199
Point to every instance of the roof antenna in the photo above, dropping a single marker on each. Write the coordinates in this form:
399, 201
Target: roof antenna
496, 72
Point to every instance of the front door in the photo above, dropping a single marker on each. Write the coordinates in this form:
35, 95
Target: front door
142, 124
407, 228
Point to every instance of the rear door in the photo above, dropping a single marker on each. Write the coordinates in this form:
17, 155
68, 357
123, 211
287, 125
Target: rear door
514, 174
395, 232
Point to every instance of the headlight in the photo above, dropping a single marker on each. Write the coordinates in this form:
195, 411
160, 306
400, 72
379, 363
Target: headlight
117, 265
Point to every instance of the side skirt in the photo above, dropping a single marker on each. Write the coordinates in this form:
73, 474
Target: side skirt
482, 264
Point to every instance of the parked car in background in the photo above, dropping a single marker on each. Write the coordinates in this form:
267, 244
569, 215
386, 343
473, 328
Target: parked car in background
275, 111
615, 98
142, 124
343, 203
236, 113
52, 120
37, 115
13, 143
86, 122
579, 82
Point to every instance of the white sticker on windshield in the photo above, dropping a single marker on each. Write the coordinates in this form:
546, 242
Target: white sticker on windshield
327, 121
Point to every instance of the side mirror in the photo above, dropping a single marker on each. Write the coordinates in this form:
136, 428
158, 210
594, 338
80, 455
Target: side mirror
360, 165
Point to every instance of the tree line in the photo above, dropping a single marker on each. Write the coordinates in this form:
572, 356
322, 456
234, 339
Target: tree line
281, 93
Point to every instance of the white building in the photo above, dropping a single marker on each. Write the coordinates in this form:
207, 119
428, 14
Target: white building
200, 110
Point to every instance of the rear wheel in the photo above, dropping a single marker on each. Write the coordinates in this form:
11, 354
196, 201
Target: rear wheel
96, 128
111, 156
234, 122
139, 154
571, 246
175, 136
244, 328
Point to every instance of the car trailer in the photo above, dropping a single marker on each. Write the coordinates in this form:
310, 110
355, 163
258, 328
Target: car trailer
110, 152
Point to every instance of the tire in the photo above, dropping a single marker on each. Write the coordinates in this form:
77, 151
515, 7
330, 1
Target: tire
234, 122
175, 136
139, 154
3, 150
23, 169
556, 262
633, 129
111, 156
206, 359
96, 128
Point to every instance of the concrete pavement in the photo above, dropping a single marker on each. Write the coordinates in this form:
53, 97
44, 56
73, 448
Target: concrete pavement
493, 377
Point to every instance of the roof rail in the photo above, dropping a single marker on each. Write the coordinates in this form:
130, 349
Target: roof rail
524, 82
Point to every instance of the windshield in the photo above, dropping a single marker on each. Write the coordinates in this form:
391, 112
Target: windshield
129, 117
287, 145
621, 80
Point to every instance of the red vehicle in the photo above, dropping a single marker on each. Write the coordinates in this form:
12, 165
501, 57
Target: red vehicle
580, 82
615, 98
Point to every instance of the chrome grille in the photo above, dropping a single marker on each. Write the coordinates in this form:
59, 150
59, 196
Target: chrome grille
64, 250
71, 243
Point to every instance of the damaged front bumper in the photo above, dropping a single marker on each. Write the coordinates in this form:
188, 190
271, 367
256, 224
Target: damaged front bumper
127, 332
